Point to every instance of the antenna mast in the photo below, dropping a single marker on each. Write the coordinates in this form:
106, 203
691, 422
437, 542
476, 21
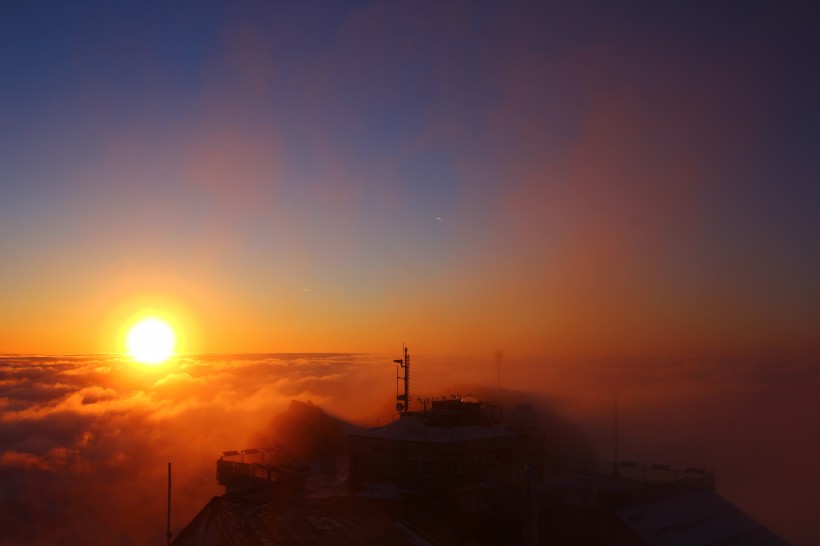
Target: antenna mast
168, 535
616, 436
403, 400
499, 358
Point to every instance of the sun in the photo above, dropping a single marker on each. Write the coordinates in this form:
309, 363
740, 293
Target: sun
151, 341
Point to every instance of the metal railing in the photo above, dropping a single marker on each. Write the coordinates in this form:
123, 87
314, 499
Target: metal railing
631, 470
627, 483
229, 471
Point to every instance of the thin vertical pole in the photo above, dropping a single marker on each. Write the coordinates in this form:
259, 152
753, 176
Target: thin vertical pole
406, 380
499, 356
168, 534
616, 435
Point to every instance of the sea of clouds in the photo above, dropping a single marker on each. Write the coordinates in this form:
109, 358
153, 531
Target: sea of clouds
85, 440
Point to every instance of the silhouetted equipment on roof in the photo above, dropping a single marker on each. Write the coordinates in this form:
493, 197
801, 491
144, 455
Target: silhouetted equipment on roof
424, 403
455, 441
455, 473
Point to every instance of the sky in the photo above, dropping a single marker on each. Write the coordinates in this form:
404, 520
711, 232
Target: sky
545, 179
85, 441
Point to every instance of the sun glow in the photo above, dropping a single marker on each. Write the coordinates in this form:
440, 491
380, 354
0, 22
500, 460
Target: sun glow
151, 341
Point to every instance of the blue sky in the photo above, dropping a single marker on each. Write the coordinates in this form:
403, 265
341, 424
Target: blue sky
602, 173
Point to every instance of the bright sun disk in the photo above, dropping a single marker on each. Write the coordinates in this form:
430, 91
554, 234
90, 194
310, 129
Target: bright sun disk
151, 341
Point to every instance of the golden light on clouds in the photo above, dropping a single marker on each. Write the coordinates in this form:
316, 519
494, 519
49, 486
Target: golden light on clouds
151, 341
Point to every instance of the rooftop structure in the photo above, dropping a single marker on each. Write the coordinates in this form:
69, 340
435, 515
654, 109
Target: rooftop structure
458, 442
456, 473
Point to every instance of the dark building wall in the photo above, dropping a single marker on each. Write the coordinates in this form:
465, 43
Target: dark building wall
435, 465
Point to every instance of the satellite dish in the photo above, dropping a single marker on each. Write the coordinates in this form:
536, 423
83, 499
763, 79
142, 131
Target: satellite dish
399, 406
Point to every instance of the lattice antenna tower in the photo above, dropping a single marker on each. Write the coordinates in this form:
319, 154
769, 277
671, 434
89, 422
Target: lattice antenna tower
403, 400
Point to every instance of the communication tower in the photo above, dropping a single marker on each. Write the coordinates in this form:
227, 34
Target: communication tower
403, 400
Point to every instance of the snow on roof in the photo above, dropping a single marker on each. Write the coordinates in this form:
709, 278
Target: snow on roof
695, 519
297, 521
416, 430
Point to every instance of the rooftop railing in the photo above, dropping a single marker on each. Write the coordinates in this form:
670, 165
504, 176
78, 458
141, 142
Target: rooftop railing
228, 472
626, 483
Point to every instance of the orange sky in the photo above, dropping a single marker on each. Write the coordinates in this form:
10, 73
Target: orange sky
559, 182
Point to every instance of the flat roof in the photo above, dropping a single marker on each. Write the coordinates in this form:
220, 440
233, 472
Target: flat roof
416, 430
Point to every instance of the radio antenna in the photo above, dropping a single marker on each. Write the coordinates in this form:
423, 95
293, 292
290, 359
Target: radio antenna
168, 535
403, 400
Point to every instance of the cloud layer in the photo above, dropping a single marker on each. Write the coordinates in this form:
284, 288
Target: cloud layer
84, 441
